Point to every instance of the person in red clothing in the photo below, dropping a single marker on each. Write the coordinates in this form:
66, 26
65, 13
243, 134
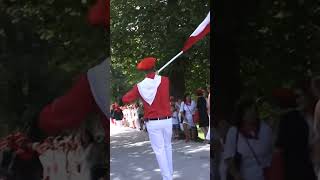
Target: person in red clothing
154, 92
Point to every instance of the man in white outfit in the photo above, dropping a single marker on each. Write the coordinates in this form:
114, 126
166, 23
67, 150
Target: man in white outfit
154, 92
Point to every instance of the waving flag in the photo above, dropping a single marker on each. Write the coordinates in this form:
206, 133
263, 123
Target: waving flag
202, 30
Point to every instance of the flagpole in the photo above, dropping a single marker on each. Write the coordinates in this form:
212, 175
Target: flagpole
181, 52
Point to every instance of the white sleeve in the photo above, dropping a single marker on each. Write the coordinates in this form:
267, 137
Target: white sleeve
230, 145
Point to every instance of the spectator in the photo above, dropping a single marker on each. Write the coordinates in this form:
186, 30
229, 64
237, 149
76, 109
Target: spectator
175, 122
112, 107
187, 109
172, 101
117, 114
135, 116
177, 106
252, 139
306, 102
203, 112
140, 115
293, 137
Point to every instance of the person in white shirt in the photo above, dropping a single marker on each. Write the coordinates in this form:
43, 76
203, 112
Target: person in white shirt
252, 139
187, 109
136, 118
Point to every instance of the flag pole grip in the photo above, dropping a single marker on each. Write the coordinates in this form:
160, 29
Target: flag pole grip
169, 62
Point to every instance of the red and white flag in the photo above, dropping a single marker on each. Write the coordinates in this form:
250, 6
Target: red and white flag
202, 30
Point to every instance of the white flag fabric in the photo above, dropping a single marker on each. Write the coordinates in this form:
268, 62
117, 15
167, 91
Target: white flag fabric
99, 85
202, 30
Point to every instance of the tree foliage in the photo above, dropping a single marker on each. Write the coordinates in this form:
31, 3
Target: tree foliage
158, 28
44, 45
278, 44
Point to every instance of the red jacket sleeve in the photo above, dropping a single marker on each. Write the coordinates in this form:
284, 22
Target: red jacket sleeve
131, 96
70, 110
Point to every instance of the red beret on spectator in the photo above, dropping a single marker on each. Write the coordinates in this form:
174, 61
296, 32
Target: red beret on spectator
146, 64
285, 97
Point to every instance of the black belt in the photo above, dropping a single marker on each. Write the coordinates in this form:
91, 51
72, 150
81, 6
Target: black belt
159, 118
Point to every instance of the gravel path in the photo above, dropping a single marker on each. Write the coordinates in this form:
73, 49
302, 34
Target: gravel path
132, 157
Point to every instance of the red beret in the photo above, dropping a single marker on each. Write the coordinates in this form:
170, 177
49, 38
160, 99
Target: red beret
146, 64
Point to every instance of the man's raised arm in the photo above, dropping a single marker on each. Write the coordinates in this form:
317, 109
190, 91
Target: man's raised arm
131, 96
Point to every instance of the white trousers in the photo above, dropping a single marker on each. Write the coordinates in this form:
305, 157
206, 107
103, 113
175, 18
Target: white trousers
160, 134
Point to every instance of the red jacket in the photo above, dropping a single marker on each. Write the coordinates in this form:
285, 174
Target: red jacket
161, 104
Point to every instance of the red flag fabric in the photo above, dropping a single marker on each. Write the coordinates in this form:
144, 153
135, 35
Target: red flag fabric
99, 13
202, 30
70, 110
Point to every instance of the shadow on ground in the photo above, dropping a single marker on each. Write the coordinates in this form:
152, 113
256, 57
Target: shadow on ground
133, 159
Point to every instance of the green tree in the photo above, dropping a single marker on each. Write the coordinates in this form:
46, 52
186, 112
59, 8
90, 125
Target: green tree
44, 46
159, 29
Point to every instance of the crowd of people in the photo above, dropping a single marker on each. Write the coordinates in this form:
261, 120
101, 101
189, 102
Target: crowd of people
186, 115
126, 116
76, 156
284, 146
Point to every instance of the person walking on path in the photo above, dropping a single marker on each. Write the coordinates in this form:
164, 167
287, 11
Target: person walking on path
154, 92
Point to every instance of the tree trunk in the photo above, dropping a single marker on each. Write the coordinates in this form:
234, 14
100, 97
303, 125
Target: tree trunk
177, 68
177, 79
37, 79
229, 19
226, 64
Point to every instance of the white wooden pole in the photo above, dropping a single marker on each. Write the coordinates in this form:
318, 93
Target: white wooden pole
175, 57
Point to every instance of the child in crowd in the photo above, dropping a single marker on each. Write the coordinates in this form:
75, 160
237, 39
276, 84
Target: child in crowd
175, 122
